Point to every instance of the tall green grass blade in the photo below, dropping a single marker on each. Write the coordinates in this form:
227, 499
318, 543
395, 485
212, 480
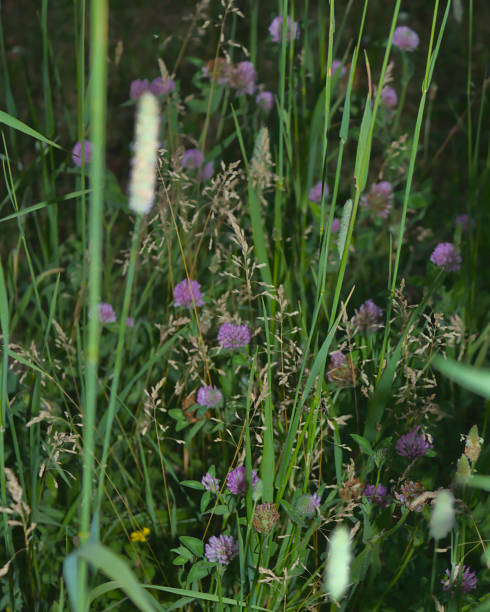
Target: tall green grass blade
15, 124
476, 380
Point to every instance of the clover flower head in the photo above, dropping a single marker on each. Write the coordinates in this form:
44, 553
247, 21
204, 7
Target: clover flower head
162, 87
452, 580
379, 199
335, 225
376, 494
237, 480
209, 396
138, 87
232, 336
265, 101
336, 64
389, 97
221, 69
222, 549
192, 159
243, 78
413, 444
106, 313
275, 29
206, 172
188, 293
405, 39
76, 152
409, 492
210, 483
129, 322
265, 517
315, 194
446, 256
307, 504
464, 220
368, 317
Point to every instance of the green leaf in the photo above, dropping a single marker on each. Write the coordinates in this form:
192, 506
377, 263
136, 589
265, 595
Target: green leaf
113, 566
474, 379
192, 484
193, 544
363, 147
22, 127
364, 444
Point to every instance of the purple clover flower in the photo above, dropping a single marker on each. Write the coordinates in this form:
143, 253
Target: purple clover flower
233, 336
335, 225
160, 87
389, 97
379, 199
368, 317
222, 549
337, 358
446, 256
237, 480
376, 494
138, 87
336, 64
210, 483
315, 194
265, 101
413, 444
206, 172
307, 504
243, 78
106, 313
464, 220
129, 322
76, 152
405, 39
275, 29
209, 396
186, 294
192, 159
453, 580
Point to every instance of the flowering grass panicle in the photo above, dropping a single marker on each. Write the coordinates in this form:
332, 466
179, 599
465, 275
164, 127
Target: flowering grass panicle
265, 517
368, 318
442, 517
192, 159
376, 494
338, 563
405, 38
243, 78
210, 483
162, 87
454, 579
76, 153
446, 256
187, 293
233, 336
265, 101
144, 163
389, 97
379, 199
307, 504
315, 194
209, 396
222, 549
413, 444
138, 87
221, 69
275, 29
237, 480
106, 313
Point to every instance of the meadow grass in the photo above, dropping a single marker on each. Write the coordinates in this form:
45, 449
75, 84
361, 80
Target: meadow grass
245, 342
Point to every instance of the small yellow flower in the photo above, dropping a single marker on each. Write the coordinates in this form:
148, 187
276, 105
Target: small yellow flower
141, 535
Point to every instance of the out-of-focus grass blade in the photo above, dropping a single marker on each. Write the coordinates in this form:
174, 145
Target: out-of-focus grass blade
113, 566
364, 147
474, 379
41, 205
15, 124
